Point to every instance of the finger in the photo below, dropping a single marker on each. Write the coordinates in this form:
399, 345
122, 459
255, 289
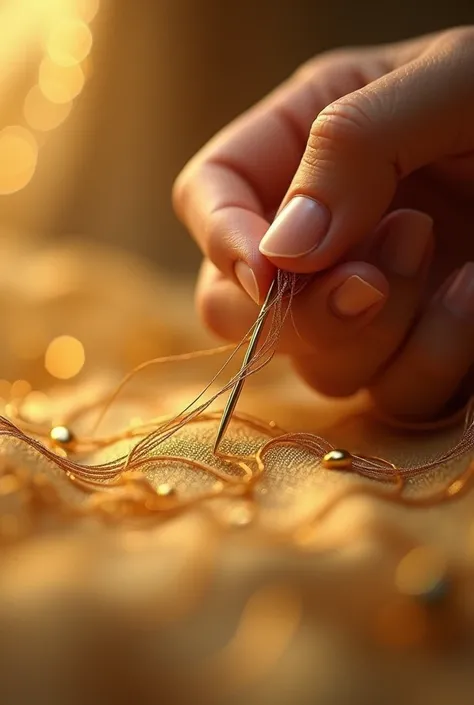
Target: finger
363, 144
222, 305
337, 307
341, 365
341, 302
437, 355
229, 192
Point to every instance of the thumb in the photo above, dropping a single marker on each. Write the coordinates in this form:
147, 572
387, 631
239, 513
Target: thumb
363, 144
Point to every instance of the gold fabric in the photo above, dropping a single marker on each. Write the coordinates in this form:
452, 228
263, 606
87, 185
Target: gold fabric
231, 600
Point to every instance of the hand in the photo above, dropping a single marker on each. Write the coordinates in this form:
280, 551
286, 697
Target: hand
357, 155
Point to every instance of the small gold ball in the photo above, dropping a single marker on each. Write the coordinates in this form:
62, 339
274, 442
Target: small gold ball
62, 435
338, 459
166, 490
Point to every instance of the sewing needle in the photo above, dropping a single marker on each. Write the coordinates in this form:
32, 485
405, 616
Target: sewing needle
237, 389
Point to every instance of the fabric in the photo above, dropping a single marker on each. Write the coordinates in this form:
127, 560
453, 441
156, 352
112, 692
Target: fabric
236, 599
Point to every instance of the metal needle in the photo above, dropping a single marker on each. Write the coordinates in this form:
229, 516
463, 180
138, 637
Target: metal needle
237, 389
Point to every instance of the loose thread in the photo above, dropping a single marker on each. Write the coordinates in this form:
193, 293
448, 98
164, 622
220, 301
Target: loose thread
154, 433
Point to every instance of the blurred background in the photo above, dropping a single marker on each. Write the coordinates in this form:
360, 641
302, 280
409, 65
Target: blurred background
103, 101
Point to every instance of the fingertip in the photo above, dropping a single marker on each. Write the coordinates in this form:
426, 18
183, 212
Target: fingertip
297, 265
222, 305
296, 232
233, 236
247, 279
404, 243
254, 276
354, 297
365, 271
340, 302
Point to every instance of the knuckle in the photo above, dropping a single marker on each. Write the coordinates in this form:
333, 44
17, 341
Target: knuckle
346, 118
459, 38
345, 123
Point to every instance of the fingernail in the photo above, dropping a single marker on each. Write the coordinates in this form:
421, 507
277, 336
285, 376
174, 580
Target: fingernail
297, 230
459, 298
403, 251
354, 296
247, 279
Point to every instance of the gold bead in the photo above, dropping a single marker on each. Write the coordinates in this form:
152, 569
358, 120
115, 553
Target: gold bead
62, 435
165, 490
338, 459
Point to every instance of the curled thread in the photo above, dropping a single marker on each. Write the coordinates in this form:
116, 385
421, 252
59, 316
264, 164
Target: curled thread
246, 470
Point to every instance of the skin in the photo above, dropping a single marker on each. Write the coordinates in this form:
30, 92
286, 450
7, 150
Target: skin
383, 137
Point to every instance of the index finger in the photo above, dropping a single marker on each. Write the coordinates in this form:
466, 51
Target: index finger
227, 195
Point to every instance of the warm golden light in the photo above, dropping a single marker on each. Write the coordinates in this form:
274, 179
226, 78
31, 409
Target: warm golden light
64, 357
268, 624
61, 26
69, 42
5, 388
60, 84
18, 158
41, 114
27, 342
36, 407
420, 571
9, 484
87, 9
87, 68
20, 388
50, 10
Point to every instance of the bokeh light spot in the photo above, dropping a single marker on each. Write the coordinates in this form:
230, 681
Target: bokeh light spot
20, 388
420, 571
87, 9
18, 158
64, 357
69, 42
36, 407
41, 114
60, 84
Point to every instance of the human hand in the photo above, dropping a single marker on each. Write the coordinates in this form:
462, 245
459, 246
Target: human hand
357, 155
